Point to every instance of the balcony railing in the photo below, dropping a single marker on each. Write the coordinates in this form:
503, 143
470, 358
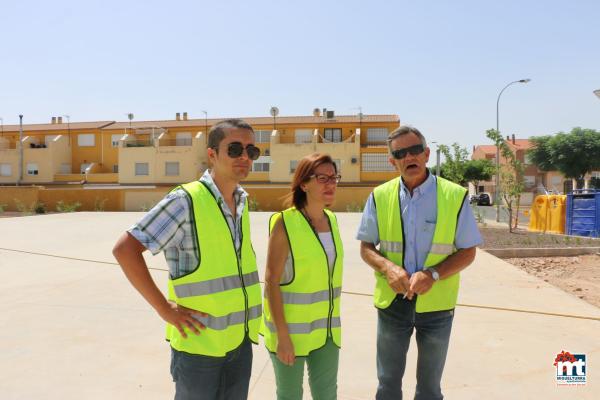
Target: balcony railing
139, 143
175, 142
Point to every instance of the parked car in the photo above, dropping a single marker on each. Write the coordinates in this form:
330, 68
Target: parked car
474, 198
484, 199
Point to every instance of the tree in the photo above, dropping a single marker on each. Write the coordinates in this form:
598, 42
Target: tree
459, 169
511, 173
453, 168
479, 170
573, 154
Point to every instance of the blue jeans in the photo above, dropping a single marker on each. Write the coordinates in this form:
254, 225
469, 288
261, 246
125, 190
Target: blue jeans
395, 326
199, 377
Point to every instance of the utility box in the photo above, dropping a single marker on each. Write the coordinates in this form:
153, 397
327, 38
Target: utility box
583, 213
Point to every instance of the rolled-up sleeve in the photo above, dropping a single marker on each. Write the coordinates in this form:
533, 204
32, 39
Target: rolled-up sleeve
368, 231
160, 229
467, 232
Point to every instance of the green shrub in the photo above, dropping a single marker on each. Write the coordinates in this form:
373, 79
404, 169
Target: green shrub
22, 207
99, 204
62, 206
354, 207
253, 204
39, 207
2, 207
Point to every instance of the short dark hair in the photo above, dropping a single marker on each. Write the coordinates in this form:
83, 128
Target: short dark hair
306, 167
217, 132
405, 130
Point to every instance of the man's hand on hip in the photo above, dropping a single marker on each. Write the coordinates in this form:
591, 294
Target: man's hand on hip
181, 317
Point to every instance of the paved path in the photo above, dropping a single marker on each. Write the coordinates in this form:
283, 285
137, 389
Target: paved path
73, 328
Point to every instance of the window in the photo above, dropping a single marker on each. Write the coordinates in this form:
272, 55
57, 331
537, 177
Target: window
65, 168
304, 135
262, 164
376, 162
83, 167
5, 169
262, 136
171, 168
32, 169
293, 165
114, 140
86, 140
141, 169
529, 181
183, 139
377, 135
115, 168
333, 135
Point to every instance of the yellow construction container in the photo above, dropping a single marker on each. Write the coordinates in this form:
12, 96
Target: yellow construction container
557, 212
539, 214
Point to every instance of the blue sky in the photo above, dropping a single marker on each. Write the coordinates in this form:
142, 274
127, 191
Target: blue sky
439, 65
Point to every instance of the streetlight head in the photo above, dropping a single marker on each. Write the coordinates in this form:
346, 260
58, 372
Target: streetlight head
597, 93
525, 80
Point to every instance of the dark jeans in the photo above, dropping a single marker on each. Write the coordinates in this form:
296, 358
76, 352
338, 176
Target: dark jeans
200, 377
395, 326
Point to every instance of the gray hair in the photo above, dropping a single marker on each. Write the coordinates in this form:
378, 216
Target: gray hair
217, 132
405, 130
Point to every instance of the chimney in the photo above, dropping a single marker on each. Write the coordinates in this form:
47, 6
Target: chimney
513, 138
178, 116
53, 120
185, 116
324, 111
59, 120
317, 112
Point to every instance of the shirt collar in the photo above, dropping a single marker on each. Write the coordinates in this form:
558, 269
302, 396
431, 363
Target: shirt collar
423, 188
207, 178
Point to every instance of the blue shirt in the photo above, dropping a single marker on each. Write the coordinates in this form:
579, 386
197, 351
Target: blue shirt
419, 215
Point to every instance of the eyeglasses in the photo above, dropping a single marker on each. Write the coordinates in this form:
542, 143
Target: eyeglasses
412, 150
323, 179
235, 150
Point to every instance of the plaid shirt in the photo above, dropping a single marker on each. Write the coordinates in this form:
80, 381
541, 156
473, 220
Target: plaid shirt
167, 227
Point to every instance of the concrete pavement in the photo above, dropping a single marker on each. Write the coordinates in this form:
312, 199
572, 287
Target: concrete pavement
74, 327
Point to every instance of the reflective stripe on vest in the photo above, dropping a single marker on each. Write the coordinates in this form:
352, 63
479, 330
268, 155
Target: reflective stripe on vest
239, 317
311, 300
450, 198
304, 328
215, 285
224, 285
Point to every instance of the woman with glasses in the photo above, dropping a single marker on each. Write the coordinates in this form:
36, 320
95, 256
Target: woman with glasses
303, 284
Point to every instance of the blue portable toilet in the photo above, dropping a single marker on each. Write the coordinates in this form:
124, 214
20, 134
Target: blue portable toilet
583, 213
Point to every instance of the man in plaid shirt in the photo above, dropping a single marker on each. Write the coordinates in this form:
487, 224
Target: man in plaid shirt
171, 227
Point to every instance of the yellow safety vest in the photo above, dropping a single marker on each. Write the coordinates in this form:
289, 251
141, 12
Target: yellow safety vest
311, 300
450, 197
223, 286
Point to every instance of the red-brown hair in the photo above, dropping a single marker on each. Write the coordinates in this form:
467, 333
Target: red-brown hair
306, 167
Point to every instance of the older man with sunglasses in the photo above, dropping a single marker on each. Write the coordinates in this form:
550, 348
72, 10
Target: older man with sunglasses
417, 232
213, 307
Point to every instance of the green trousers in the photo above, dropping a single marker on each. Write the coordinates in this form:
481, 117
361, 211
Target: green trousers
322, 374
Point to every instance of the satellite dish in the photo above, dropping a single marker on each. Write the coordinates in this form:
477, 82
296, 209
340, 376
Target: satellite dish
274, 111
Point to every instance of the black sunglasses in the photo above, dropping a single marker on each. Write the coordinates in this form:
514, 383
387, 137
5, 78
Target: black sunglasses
235, 150
413, 150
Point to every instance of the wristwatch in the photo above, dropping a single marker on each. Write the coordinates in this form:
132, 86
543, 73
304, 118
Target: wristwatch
434, 274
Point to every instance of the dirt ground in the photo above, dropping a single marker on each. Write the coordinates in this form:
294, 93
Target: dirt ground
579, 275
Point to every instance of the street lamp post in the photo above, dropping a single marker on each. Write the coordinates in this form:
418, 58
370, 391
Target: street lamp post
498, 146
205, 122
